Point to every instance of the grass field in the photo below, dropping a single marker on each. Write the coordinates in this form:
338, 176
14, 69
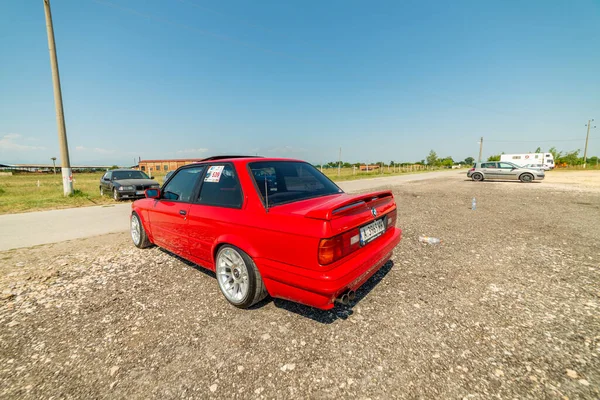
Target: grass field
24, 192
32, 192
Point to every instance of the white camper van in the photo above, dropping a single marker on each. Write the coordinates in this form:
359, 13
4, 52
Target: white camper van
545, 159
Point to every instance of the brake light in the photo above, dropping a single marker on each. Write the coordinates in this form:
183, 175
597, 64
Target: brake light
337, 247
391, 219
472, 169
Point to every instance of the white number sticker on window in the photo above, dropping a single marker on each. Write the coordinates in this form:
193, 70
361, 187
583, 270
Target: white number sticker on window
214, 173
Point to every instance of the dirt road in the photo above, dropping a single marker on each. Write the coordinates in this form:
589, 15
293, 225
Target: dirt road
507, 306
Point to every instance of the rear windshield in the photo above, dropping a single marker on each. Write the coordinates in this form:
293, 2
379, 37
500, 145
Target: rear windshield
288, 181
118, 175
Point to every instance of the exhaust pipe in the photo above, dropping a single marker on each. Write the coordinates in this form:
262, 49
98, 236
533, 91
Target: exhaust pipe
351, 295
343, 299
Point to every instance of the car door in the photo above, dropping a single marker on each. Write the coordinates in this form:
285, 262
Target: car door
217, 210
490, 170
169, 215
506, 171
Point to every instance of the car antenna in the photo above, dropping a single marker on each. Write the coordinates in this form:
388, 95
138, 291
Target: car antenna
266, 195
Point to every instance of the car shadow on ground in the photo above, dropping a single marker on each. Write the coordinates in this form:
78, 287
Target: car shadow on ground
501, 181
339, 311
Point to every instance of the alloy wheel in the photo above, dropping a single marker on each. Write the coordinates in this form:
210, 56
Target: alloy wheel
136, 233
232, 275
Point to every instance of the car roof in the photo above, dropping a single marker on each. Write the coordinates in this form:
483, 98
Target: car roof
243, 159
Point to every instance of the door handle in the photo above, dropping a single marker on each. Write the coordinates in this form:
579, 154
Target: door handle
182, 212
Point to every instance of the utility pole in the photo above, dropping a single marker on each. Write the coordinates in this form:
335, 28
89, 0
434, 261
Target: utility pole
54, 164
587, 138
480, 148
67, 175
340, 162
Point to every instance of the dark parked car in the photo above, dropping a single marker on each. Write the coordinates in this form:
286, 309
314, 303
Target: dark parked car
167, 176
126, 184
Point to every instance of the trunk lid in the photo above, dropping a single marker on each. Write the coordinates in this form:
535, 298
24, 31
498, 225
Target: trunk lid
343, 211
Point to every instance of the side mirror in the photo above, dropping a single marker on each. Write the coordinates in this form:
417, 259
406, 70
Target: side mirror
152, 193
151, 177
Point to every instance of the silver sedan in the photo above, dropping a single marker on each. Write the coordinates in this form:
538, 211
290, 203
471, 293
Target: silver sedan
504, 171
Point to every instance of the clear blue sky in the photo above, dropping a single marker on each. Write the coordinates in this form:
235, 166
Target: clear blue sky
385, 80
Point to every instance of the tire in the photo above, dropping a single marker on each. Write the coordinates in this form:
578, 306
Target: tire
138, 233
526, 178
116, 195
238, 278
477, 176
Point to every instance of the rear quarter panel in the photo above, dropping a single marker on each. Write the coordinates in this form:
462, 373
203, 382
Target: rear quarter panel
290, 239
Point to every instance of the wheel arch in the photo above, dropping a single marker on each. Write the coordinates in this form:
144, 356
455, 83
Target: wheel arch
526, 173
240, 242
480, 173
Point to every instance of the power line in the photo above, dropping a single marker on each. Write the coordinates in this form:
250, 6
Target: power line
534, 141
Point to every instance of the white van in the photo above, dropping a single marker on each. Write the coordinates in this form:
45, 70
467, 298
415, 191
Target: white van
546, 159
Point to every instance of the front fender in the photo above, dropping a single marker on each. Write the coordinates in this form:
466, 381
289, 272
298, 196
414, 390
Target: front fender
143, 214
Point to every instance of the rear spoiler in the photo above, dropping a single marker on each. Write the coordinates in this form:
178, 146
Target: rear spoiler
336, 208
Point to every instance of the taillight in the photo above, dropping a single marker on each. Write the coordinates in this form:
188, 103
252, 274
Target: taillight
331, 250
391, 219
472, 169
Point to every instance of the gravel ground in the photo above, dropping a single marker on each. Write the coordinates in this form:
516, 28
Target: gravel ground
508, 306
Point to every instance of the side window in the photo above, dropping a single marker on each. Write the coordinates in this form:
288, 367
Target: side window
181, 186
221, 187
506, 166
106, 176
488, 165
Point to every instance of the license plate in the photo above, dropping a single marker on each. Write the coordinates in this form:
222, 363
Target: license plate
371, 231
139, 192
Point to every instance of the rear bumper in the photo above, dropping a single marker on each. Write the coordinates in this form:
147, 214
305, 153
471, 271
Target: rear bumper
320, 288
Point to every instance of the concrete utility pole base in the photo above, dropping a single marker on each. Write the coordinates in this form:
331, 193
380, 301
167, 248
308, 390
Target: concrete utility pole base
67, 177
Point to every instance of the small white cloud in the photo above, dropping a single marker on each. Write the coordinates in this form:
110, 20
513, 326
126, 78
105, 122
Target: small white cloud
286, 150
192, 151
8, 142
103, 151
98, 150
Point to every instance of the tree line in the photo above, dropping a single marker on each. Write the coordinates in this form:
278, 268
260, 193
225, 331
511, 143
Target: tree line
432, 159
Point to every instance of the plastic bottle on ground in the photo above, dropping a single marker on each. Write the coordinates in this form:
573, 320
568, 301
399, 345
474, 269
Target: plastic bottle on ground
429, 240
473, 204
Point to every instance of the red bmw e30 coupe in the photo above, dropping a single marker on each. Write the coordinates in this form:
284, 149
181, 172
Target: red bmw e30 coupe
269, 226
